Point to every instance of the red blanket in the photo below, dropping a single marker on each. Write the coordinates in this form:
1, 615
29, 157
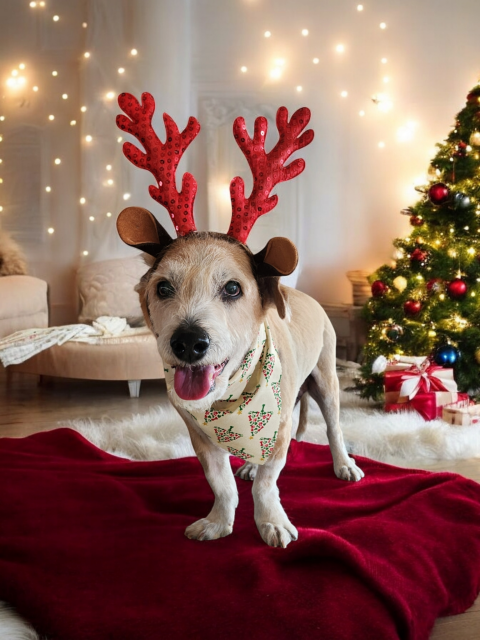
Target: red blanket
92, 548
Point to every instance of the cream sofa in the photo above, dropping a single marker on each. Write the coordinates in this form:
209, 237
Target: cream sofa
23, 304
105, 288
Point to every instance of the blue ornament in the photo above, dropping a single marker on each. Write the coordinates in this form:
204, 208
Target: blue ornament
446, 356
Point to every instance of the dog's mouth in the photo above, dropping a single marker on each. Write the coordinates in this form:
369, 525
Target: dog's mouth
194, 383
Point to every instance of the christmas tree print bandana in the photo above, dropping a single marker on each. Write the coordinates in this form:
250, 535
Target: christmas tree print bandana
246, 422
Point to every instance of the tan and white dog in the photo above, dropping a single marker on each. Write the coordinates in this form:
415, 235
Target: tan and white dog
205, 296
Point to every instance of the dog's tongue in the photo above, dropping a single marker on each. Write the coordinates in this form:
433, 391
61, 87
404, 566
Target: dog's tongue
193, 384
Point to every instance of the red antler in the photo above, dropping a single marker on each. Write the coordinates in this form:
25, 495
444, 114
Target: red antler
161, 159
267, 168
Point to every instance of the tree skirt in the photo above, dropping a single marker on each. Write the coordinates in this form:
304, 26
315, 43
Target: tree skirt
92, 547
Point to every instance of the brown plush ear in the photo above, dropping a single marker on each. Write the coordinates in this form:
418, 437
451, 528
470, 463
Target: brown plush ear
139, 228
278, 258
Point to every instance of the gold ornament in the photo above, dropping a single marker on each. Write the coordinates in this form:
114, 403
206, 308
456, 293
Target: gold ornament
475, 139
477, 355
400, 283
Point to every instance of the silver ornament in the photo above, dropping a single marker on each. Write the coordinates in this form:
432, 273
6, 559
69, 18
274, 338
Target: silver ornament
460, 200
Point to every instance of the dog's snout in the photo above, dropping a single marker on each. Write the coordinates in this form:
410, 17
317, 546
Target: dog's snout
190, 343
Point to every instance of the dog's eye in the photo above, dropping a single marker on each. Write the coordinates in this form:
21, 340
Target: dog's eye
232, 290
165, 289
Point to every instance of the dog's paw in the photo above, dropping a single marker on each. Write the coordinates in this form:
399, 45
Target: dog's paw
277, 535
205, 529
349, 471
248, 471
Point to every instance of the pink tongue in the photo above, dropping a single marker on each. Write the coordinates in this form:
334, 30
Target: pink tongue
193, 384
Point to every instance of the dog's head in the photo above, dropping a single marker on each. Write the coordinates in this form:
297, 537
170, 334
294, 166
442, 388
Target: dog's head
206, 294
204, 297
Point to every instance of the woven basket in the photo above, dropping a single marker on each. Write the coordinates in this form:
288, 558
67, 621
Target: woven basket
360, 285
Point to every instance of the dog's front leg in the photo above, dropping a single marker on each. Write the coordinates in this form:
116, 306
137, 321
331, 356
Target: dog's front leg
270, 517
216, 465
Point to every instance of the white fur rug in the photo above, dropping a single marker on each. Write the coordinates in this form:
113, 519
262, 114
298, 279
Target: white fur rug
396, 438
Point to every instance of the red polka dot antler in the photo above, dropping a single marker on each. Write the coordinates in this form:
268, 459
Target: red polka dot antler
267, 168
161, 159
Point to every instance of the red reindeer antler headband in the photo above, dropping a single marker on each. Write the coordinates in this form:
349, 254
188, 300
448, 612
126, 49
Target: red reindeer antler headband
162, 159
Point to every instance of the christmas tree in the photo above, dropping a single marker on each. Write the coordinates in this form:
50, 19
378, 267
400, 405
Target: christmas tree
427, 302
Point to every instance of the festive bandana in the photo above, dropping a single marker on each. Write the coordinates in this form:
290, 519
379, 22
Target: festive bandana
246, 422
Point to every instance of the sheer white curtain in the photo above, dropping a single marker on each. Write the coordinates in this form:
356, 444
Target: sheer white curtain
159, 32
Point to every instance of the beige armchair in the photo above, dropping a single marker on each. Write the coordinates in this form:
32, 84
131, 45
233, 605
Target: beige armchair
23, 304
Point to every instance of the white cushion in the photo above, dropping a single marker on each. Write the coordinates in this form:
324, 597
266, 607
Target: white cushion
106, 288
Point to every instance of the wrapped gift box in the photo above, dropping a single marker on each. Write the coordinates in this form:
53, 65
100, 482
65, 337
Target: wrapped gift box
429, 405
422, 386
461, 413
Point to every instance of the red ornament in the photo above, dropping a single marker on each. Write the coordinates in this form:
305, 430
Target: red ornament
457, 289
435, 285
379, 288
412, 307
473, 97
438, 193
461, 150
416, 221
418, 256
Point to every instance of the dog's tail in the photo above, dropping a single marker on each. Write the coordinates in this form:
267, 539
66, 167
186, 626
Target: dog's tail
303, 419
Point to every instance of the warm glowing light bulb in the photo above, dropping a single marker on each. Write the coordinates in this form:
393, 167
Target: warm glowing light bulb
359, 7
361, 113
1, 208
121, 70
84, 25
304, 32
110, 182
299, 88
15, 73
109, 215
109, 167
386, 79
51, 230
51, 117
56, 18
54, 73
86, 54
384, 61
42, 4
383, 25
65, 96
82, 200
316, 60
2, 118
91, 218
340, 48
48, 189
381, 145
73, 123
35, 88
119, 139
85, 253
344, 94
133, 52
33, 4
267, 34
110, 95
126, 196
57, 161
83, 109
21, 66
88, 138
276, 73
243, 69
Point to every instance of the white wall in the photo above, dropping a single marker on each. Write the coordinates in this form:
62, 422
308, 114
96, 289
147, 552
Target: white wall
191, 51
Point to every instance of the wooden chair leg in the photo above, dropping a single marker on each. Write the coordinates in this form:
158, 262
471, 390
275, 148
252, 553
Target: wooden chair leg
134, 388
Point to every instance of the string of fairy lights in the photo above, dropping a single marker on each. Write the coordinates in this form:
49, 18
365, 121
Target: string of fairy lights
18, 80
276, 72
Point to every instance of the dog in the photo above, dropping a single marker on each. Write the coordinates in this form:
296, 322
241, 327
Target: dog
12, 260
205, 296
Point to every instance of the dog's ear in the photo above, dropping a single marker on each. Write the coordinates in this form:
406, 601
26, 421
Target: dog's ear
278, 258
139, 228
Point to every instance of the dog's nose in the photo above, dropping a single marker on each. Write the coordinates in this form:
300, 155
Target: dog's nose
190, 344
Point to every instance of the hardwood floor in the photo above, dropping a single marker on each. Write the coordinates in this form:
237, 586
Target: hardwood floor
27, 407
